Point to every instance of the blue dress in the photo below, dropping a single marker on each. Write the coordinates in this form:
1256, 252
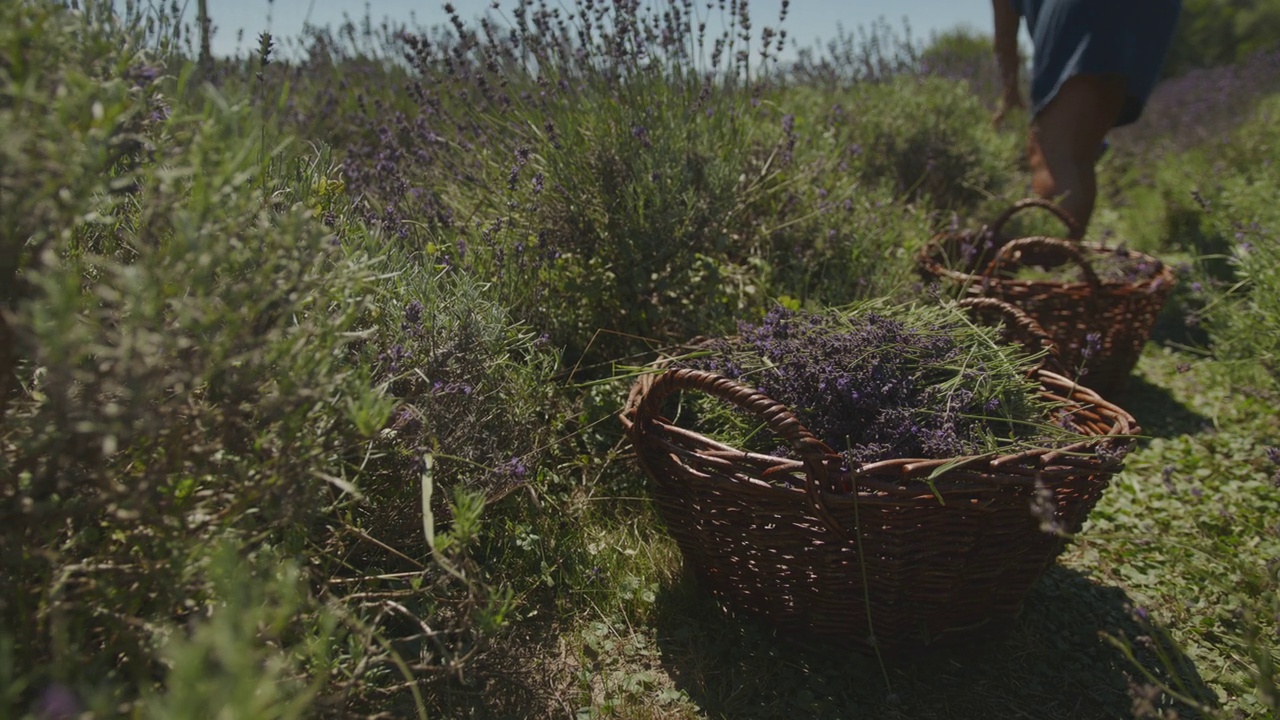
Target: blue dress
1085, 37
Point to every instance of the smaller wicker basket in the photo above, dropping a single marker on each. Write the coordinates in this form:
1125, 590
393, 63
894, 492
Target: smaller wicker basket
904, 553
1100, 325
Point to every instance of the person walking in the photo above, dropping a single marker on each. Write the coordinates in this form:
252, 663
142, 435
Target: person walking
1094, 64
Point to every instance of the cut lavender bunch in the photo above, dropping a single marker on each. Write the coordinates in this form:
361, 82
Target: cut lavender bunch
881, 382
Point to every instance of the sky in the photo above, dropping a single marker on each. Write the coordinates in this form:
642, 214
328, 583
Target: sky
808, 23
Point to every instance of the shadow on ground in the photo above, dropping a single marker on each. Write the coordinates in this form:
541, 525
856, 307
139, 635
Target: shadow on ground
1054, 664
1157, 411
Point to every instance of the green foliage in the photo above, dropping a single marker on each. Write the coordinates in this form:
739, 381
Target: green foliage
666, 210
930, 139
245, 654
1214, 206
646, 192
1217, 32
1245, 321
56, 172
461, 375
181, 372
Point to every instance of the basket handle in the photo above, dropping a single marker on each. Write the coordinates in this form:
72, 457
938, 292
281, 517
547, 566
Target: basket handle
1028, 331
1067, 250
1073, 227
653, 389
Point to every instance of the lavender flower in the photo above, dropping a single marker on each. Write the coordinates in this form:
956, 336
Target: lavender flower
515, 469
874, 386
413, 313
143, 74
1092, 344
391, 359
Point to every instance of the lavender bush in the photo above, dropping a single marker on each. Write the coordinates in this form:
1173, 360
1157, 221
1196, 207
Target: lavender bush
1167, 168
1213, 208
1242, 312
476, 153
867, 54
1201, 106
195, 359
702, 174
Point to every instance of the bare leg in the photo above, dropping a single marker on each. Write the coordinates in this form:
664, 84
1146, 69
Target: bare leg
1065, 139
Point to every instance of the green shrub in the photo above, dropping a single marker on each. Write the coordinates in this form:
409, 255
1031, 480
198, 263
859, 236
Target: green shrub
194, 356
262, 649
625, 188
1244, 318
1214, 206
472, 388
930, 139
180, 368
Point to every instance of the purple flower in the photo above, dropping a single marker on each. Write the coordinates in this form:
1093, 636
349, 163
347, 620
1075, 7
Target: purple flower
413, 312
516, 469
1092, 344
392, 358
143, 74
58, 702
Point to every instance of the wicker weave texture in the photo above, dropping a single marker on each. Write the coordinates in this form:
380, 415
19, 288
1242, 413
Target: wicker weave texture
788, 541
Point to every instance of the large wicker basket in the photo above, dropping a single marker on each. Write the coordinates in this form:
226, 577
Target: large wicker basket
902, 553
1100, 325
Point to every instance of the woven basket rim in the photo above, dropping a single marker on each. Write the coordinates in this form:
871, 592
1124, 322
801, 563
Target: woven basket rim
931, 259
1082, 454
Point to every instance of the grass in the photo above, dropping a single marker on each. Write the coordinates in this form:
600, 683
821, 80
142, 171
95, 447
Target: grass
260, 321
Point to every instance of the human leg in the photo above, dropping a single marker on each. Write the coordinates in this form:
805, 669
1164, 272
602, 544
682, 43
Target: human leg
1065, 136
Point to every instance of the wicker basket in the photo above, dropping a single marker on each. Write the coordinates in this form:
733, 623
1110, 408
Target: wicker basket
1100, 325
789, 541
